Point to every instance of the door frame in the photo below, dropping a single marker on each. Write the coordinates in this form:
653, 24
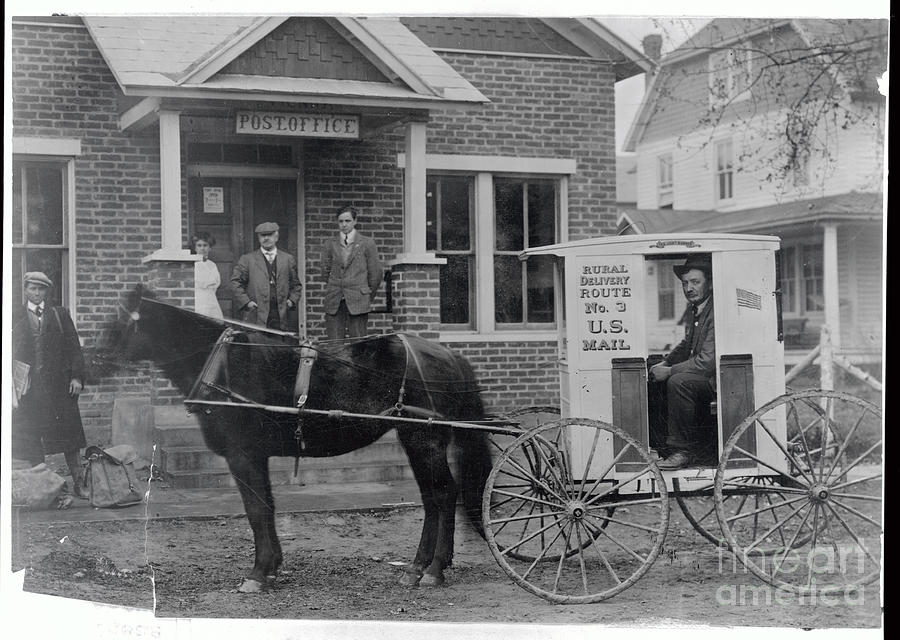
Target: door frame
204, 170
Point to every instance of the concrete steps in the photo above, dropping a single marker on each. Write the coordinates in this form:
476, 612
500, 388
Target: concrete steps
187, 464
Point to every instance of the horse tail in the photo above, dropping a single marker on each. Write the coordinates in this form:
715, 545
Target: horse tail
474, 463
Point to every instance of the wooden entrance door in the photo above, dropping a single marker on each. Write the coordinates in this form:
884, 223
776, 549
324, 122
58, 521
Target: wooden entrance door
229, 209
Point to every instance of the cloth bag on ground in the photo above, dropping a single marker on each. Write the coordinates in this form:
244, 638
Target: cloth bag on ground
110, 479
36, 488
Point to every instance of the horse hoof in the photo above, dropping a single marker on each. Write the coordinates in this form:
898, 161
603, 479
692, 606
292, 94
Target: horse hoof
429, 580
251, 586
410, 579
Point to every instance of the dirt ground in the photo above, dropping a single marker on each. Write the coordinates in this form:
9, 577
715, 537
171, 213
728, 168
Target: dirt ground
345, 566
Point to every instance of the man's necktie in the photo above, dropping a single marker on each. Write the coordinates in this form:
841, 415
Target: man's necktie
38, 311
346, 240
269, 257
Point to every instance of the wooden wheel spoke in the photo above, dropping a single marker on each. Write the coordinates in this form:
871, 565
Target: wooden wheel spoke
764, 489
855, 496
551, 467
617, 486
539, 481
787, 549
760, 510
783, 450
844, 485
844, 445
587, 466
543, 553
777, 526
581, 558
802, 432
608, 468
809, 570
852, 533
622, 503
551, 514
775, 515
526, 498
857, 513
518, 508
534, 535
601, 555
625, 523
865, 454
764, 463
628, 550
823, 441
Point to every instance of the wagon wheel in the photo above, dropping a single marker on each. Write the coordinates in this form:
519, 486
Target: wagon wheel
818, 529
562, 518
527, 419
529, 457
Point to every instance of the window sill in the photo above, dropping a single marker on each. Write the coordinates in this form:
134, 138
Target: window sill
499, 336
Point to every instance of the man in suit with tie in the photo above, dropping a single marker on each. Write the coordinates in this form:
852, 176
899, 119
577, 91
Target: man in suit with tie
265, 282
353, 272
689, 371
45, 417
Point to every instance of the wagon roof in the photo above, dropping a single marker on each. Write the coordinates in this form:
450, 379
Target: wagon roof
658, 243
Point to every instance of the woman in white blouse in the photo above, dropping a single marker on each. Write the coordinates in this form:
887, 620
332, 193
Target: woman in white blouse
206, 277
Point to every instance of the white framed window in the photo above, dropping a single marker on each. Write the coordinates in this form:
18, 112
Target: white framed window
481, 212
665, 181
802, 281
522, 212
724, 150
729, 76
42, 198
666, 289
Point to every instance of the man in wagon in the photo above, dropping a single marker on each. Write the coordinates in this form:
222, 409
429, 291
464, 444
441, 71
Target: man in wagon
689, 371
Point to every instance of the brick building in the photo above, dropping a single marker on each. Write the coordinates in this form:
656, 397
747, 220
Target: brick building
462, 141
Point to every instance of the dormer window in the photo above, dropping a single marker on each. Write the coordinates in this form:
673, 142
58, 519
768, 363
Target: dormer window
729, 76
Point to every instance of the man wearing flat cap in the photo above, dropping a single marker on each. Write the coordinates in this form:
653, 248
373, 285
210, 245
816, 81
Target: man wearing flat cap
265, 282
689, 371
48, 378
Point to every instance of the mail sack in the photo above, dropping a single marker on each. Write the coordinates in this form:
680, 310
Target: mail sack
109, 479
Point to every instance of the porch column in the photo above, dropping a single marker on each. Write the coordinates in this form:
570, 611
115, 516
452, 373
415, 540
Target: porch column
414, 193
830, 283
170, 188
416, 272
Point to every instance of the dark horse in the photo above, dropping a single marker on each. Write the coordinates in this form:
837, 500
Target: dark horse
226, 365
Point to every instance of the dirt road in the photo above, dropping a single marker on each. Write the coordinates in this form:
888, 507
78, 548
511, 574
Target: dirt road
345, 566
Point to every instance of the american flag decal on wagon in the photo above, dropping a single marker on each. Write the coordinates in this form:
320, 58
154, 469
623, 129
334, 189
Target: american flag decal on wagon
748, 299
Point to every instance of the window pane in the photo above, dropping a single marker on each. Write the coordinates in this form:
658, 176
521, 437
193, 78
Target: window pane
44, 205
509, 210
455, 287
239, 153
454, 205
507, 289
539, 273
813, 282
541, 213
17, 226
788, 282
431, 215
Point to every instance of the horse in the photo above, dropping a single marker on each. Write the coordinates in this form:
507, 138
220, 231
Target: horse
238, 378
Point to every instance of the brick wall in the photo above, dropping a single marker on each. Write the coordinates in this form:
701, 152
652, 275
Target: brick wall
543, 108
62, 88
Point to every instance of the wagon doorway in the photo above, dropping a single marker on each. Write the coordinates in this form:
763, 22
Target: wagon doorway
230, 207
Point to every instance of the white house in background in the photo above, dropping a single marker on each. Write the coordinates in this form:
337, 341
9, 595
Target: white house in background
774, 126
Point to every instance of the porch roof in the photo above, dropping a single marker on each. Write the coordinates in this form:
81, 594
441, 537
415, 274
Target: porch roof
846, 207
172, 55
